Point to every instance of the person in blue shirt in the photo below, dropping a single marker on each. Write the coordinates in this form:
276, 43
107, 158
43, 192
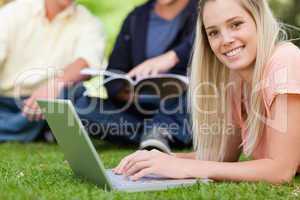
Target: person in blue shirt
156, 37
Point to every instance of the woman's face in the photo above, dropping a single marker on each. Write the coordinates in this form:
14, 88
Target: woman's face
231, 32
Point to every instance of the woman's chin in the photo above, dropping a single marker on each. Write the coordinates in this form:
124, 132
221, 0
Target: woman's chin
238, 65
235, 67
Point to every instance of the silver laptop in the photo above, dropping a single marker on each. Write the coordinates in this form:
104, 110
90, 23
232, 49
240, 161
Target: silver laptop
83, 158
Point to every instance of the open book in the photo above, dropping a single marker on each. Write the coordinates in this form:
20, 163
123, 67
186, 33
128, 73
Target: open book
161, 85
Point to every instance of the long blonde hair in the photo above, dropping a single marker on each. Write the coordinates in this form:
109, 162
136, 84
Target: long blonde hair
206, 68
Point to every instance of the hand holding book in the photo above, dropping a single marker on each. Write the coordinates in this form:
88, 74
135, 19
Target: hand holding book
154, 66
161, 85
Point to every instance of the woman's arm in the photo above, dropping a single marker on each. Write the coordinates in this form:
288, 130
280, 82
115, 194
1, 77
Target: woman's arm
191, 155
232, 151
267, 170
282, 155
279, 164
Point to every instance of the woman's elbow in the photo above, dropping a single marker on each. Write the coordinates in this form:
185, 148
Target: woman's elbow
282, 176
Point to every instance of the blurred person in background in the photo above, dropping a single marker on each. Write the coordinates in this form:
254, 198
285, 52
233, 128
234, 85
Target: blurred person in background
43, 46
155, 38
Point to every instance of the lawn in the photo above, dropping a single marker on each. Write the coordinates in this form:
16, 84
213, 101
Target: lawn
38, 170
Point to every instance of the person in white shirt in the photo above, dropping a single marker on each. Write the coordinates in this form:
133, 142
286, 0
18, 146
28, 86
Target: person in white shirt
43, 46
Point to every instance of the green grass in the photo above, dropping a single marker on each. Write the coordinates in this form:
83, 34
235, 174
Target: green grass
39, 171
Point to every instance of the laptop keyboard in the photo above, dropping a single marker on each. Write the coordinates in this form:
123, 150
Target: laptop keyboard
122, 181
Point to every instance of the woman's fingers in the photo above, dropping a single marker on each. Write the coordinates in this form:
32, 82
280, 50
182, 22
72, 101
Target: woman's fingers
142, 173
140, 157
120, 168
138, 166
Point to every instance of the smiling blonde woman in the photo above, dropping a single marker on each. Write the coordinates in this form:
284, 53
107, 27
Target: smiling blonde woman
244, 95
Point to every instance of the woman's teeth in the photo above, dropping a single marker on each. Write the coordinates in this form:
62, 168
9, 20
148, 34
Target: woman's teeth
234, 52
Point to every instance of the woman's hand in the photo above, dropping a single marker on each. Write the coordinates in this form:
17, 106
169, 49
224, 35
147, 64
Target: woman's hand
154, 162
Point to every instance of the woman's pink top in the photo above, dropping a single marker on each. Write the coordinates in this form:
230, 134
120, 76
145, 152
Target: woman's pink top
281, 76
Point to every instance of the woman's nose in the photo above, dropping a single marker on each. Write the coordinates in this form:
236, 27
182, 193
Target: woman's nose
227, 38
